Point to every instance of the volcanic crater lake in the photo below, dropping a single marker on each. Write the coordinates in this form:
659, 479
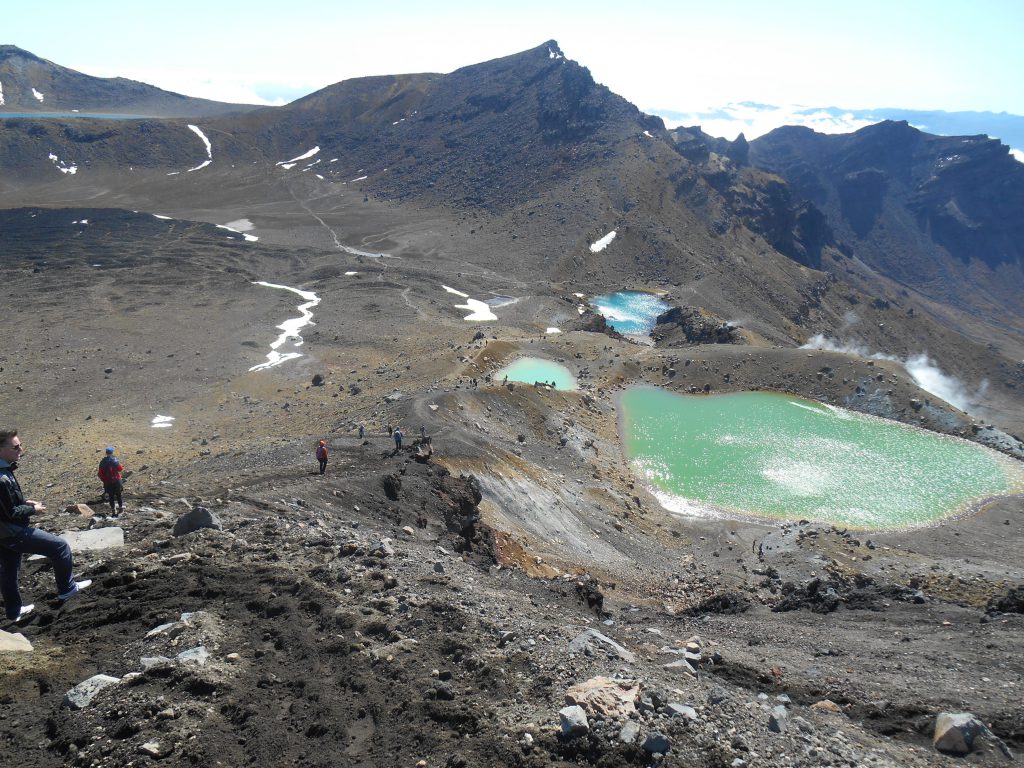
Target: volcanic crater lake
530, 370
630, 312
774, 455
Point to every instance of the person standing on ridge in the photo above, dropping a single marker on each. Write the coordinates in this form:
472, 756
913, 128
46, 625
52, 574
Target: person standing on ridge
361, 431
397, 434
321, 456
18, 538
110, 475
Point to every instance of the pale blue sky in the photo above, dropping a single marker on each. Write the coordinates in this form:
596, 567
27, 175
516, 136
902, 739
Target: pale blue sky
660, 54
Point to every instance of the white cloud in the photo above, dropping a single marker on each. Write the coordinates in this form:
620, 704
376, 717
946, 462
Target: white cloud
1019, 154
753, 120
922, 369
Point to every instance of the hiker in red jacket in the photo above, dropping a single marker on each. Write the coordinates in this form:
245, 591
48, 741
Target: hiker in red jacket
321, 456
110, 475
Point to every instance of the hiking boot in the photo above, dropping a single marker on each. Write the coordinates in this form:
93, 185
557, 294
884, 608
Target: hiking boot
25, 611
76, 587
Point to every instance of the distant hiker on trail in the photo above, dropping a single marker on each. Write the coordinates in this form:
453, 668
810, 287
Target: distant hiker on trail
397, 434
361, 431
17, 537
321, 456
423, 432
110, 475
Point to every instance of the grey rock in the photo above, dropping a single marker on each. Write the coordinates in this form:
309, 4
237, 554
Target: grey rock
382, 548
198, 655
198, 517
656, 743
778, 719
681, 710
573, 720
149, 662
82, 694
955, 733
589, 638
95, 539
629, 732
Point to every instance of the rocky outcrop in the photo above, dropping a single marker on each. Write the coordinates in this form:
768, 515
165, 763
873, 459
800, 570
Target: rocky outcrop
692, 325
937, 213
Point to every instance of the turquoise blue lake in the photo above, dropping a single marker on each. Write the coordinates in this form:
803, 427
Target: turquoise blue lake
774, 455
530, 370
630, 312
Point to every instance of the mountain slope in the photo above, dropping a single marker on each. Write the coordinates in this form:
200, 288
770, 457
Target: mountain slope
29, 83
940, 215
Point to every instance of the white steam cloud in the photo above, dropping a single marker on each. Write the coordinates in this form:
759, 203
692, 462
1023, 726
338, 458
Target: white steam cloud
922, 369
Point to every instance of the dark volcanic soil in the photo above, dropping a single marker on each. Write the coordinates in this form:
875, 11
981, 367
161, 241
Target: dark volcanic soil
409, 607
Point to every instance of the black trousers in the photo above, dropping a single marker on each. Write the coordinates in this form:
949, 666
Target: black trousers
114, 490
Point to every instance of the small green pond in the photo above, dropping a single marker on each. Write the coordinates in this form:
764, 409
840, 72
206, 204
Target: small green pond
530, 370
775, 455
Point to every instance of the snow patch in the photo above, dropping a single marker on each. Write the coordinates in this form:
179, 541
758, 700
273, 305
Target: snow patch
81, 221
603, 243
62, 167
161, 422
304, 156
457, 293
478, 311
38, 95
360, 178
552, 329
158, 216
1, 94
1017, 154
349, 274
289, 328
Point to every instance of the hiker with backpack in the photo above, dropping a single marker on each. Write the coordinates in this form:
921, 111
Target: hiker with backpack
110, 475
18, 537
321, 456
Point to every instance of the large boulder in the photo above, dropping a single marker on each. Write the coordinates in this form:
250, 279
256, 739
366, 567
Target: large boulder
198, 517
955, 733
605, 696
573, 721
14, 642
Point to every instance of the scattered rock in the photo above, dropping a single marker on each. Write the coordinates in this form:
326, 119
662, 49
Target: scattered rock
574, 721
586, 641
82, 694
14, 642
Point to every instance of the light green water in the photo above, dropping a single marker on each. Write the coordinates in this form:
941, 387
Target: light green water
769, 454
533, 369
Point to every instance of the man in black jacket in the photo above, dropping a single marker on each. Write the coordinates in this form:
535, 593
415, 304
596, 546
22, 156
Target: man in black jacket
17, 537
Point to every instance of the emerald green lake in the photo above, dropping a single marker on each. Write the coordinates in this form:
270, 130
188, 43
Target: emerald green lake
775, 455
533, 369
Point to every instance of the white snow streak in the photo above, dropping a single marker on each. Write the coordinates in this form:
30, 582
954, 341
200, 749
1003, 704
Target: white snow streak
478, 311
290, 328
603, 243
37, 94
62, 167
161, 422
209, 148
457, 293
1, 94
304, 156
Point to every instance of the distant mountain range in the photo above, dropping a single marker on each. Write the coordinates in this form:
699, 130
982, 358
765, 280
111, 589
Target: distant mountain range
753, 120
